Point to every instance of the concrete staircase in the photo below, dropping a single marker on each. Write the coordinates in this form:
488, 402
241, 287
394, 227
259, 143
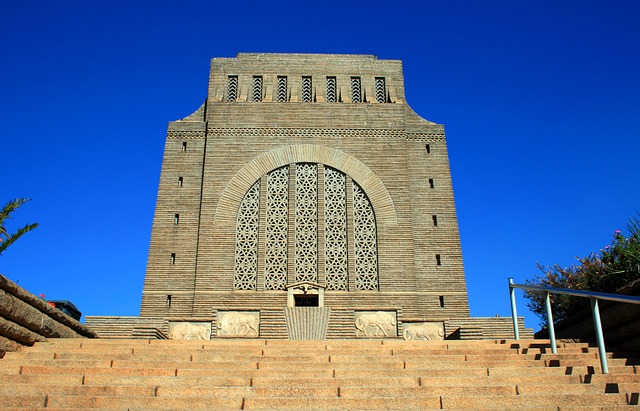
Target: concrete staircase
227, 374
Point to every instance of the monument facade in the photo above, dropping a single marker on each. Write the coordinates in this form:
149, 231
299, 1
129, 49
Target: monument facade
306, 196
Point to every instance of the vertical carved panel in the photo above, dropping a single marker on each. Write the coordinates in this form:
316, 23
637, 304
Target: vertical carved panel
356, 90
232, 88
282, 89
365, 247
381, 90
331, 90
257, 88
246, 258
335, 228
276, 226
306, 222
306, 89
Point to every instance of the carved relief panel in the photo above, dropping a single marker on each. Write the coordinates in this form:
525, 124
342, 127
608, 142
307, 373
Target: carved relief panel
423, 331
376, 324
189, 331
238, 323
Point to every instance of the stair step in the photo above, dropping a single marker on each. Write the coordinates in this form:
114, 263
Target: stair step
497, 401
340, 403
259, 374
22, 401
167, 381
336, 382
129, 402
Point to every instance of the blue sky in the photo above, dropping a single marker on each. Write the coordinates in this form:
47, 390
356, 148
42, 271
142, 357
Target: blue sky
540, 101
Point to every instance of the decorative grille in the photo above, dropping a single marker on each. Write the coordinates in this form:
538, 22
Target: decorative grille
257, 88
335, 230
356, 90
246, 263
305, 243
365, 247
276, 229
381, 90
331, 90
306, 89
282, 89
232, 89
306, 222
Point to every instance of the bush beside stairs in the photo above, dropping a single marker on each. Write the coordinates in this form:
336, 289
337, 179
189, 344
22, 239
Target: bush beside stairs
241, 374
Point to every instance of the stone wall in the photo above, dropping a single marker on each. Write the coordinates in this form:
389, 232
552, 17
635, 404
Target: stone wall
485, 328
241, 134
25, 319
129, 327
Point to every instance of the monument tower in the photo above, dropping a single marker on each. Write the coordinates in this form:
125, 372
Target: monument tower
305, 196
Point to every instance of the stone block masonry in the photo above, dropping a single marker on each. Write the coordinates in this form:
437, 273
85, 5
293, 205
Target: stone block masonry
305, 169
26, 319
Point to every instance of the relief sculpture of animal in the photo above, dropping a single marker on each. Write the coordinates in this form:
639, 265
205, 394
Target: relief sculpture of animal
372, 324
188, 331
235, 324
423, 331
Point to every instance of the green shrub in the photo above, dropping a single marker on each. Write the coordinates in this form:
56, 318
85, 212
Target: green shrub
615, 266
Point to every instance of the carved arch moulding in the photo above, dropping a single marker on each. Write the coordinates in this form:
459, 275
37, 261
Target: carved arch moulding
238, 186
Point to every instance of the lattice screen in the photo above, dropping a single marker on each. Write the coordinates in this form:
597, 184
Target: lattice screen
381, 90
232, 88
331, 90
247, 240
306, 89
257, 88
282, 89
365, 247
335, 230
356, 90
304, 221
277, 223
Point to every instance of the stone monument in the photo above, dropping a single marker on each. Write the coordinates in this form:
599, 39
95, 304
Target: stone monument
306, 181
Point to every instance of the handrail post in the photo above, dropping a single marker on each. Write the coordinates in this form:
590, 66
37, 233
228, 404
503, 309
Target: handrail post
594, 296
514, 311
552, 332
599, 337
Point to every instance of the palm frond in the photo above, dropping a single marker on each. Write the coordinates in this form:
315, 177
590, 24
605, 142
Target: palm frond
11, 239
7, 239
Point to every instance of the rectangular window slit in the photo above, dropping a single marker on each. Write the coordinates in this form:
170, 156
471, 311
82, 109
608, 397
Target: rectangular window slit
257, 88
282, 89
173, 258
307, 89
168, 300
356, 90
433, 217
176, 219
441, 301
438, 260
431, 183
332, 95
180, 181
381, 90
184, 146
428, 148
232, 88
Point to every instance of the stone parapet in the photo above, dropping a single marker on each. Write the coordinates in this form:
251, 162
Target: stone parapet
485, 328
26, 319
129, 327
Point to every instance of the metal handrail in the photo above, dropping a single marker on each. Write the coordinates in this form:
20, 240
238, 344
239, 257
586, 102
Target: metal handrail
592, 295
